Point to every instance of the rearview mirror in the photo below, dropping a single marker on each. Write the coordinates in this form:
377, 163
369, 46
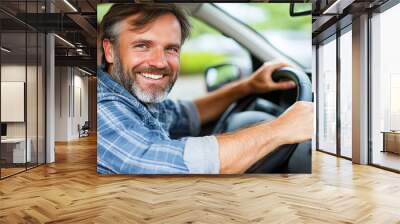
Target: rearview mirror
219, 75
300, 9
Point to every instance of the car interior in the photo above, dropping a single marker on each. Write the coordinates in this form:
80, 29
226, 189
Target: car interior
256, 108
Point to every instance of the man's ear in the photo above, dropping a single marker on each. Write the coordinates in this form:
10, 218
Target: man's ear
108, 51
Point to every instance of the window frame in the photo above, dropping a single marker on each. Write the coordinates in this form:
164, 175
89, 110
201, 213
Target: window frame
379, 10
333, 37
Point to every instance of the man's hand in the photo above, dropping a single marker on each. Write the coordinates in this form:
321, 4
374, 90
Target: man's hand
212, 105
241, 149
261, 80
297, 122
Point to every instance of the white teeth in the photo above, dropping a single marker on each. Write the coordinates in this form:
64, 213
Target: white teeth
151, 76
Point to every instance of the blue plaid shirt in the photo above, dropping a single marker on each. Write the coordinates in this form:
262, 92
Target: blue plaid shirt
138, 138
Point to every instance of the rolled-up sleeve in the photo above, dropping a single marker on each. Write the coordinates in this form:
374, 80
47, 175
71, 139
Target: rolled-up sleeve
201, 155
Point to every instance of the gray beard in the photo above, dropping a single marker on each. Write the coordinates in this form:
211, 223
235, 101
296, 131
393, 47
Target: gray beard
144, 96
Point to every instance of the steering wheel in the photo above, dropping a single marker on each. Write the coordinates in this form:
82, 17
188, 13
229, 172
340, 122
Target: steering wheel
304, 93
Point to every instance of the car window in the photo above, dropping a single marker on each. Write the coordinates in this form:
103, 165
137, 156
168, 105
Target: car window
290, 35
206, 47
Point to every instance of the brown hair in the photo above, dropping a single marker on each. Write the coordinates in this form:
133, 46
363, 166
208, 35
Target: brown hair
147, 14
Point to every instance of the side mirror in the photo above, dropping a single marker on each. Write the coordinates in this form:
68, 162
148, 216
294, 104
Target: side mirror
300, 9
219, 75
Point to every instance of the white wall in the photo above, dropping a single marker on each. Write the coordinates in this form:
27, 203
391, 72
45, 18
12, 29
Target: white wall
79, 117
33, 126
61, 103
70, 83
13, 73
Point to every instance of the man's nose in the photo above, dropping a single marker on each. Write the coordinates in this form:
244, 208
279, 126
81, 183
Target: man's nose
158, 58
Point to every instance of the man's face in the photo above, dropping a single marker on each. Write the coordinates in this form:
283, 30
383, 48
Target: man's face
146, 61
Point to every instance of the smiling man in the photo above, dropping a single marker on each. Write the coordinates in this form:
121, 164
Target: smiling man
141, 131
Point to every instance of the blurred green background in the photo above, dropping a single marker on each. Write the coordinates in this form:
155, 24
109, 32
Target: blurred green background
278, 19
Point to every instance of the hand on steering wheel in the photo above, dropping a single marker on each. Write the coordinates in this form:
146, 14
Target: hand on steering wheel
301, 80
262, 82
304, 93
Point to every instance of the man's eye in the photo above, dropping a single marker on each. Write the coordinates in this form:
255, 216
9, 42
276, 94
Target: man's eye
140, 46
173, 49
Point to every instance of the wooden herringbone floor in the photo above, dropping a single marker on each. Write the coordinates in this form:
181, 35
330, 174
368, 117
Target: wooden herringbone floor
70, 191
